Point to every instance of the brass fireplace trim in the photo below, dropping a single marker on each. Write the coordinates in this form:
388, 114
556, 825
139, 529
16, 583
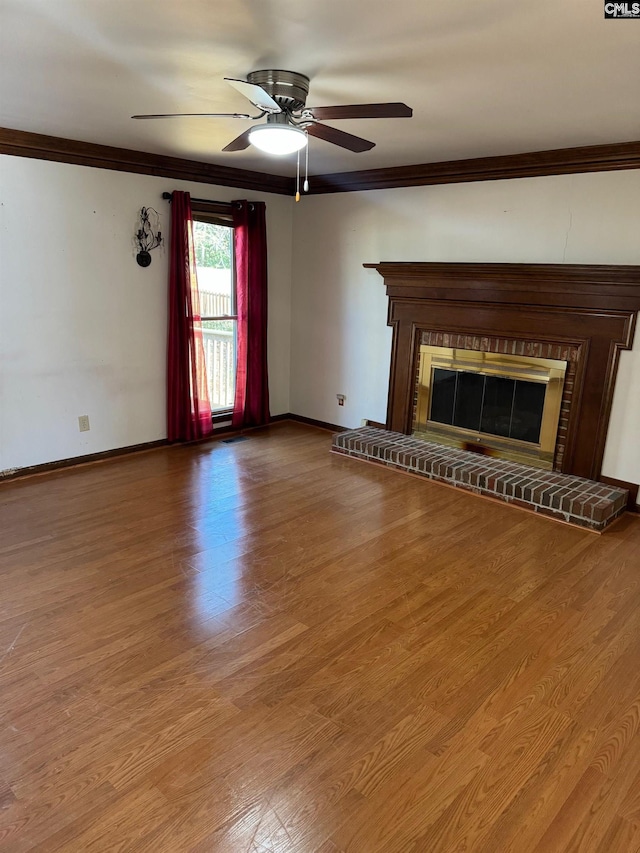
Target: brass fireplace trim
550, 372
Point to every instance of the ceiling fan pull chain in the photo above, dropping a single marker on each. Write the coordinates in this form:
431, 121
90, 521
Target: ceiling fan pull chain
305, 186
298, 178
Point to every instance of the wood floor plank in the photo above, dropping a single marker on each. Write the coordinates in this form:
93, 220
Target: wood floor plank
266, 647
516, 754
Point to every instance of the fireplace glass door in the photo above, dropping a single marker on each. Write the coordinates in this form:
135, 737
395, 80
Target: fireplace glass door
497, 405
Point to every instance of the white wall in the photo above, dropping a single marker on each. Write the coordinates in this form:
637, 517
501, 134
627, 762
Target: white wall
340, 339
82, 326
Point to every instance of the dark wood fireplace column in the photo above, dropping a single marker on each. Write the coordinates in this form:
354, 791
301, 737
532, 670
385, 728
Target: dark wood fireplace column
590, 308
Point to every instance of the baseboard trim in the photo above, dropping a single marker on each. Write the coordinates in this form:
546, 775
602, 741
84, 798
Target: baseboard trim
301, 419
76, 461
632, 488
105, 455
145, 447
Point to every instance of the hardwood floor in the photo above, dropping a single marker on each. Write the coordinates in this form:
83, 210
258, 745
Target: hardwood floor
263, 647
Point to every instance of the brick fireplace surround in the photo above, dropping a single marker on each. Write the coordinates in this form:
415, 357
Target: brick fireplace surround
584, 315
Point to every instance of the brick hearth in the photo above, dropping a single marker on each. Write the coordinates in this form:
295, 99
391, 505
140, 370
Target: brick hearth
561, 496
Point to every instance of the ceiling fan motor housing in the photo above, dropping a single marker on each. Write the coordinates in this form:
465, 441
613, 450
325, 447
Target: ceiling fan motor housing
289, 89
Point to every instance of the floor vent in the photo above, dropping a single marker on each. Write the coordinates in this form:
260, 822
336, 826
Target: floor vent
235, 439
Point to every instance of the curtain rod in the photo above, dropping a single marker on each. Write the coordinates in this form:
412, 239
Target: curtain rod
229, 204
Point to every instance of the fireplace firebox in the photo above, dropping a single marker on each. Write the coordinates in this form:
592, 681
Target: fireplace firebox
506, 405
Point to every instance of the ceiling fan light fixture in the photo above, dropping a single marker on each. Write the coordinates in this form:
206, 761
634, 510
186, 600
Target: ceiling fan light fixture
277, 138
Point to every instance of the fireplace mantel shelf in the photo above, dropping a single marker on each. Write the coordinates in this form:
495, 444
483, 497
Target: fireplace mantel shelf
590, 307
602, 286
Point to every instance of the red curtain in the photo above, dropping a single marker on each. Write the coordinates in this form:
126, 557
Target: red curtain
251, 406
188, 405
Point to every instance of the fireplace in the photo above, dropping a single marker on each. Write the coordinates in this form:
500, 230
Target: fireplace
569, 322
494, 403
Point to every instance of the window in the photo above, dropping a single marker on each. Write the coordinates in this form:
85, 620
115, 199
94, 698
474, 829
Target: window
213, 239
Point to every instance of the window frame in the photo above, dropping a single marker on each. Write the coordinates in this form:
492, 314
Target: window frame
220, 213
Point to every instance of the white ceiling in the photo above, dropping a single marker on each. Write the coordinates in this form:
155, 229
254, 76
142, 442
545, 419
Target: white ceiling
484, 77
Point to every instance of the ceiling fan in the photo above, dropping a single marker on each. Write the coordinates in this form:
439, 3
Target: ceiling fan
281, 96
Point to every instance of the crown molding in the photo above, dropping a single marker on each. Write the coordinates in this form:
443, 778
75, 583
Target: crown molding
560, 161
21, 143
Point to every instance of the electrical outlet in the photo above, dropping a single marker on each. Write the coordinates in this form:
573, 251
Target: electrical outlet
83, 423
341, 399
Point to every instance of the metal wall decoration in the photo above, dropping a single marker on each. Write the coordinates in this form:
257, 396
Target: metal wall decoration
148, 235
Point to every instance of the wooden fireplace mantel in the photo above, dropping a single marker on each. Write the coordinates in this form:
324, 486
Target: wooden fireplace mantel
591, 307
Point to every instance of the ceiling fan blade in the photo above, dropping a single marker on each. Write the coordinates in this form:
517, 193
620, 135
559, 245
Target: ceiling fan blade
339, 137
199, 115
256, 94
391, 110
239, 143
